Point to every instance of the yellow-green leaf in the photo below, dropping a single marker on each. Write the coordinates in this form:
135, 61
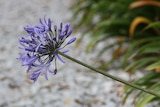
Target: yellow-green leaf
153, 66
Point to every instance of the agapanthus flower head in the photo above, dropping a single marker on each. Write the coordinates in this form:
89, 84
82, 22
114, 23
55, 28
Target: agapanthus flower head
39, 48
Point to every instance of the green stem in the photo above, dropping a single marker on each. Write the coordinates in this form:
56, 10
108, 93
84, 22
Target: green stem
110, 76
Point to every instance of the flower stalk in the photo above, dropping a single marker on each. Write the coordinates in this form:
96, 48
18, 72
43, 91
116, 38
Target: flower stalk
110, 76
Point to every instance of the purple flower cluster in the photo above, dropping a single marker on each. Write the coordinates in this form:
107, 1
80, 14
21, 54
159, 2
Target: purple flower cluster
41, 45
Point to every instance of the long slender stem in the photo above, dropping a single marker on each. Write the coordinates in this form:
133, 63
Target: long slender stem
110, 76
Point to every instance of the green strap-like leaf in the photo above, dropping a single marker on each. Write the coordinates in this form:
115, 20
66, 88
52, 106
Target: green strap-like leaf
154, 24
153, 66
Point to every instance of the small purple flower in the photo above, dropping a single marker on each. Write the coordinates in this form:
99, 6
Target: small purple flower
39, 48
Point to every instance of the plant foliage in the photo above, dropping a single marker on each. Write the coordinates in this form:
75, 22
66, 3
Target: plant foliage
135, 27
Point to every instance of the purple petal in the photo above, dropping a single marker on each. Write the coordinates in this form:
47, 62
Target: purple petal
71, 41
31, 49
61, 36
69, 33
65, 51
49, 23
60, 58
55, 28
53, 72
29, 60
45, 22
40, 20
23, 40
37, 47
34, 76
29, 29
66, 28
61, 25
46, 76
29, 67
67, 25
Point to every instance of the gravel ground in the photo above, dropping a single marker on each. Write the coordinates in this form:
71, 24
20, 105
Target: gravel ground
73, 86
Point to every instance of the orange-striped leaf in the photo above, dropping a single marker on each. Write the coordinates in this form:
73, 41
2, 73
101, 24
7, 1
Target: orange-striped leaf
136, 22
143, 3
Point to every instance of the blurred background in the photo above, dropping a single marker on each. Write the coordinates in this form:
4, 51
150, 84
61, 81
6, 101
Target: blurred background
120, 37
